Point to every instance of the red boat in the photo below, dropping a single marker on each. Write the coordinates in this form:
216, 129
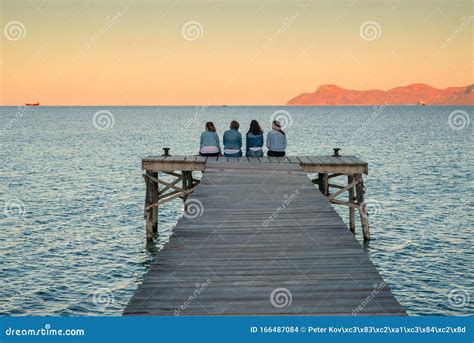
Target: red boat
33, 104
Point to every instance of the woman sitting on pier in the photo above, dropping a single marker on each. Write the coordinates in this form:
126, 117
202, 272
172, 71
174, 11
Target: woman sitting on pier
233, 141
210, 145
254, 140
276, 140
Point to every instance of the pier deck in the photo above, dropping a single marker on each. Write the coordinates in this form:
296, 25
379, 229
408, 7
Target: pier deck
257, 237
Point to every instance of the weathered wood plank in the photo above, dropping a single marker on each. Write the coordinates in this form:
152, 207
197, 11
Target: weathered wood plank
283, 159
253, 159
304, 160
264, 159
293, 159
190, 158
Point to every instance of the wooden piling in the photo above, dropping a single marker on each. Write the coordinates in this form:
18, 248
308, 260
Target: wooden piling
150, 198
350, 179
186, 184
155, 197
362, 207
323, 183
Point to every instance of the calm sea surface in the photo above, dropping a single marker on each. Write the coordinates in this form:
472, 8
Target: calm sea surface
72, 230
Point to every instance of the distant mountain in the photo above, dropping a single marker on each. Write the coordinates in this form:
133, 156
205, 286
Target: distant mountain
417, 93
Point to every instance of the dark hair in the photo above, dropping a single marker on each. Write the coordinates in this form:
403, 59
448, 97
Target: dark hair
255, 128
277, 124
234, 124
210, 126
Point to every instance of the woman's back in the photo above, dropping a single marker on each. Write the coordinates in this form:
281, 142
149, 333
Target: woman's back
232, 139
254, 141
276, 141
209, 138
209, 144
254, 145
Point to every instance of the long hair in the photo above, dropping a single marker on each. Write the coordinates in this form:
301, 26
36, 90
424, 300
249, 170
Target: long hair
210, 126
255, 128
277, 127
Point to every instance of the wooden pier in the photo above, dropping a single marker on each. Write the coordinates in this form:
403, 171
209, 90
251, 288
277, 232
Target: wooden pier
259, 237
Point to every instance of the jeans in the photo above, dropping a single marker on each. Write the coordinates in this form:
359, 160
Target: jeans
215, 154
275, 153
252, 153
237, 154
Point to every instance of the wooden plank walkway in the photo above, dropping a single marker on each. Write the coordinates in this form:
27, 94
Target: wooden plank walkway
260, 239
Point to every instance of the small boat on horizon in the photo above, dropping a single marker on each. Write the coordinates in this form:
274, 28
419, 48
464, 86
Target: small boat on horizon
33, 104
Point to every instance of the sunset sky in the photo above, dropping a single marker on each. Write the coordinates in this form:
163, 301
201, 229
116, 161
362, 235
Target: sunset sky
235, 52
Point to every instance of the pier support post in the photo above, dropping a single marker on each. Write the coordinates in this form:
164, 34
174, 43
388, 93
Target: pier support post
184, 183
324, 183
187, 182
362, 207
151, 216
156, 195
350, 179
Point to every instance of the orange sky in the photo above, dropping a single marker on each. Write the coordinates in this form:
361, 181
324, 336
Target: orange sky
244, 52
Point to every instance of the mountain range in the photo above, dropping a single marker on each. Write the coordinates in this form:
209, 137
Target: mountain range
417, 93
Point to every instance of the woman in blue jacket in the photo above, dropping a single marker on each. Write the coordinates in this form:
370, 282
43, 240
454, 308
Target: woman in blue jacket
254, 140
276, 140
210, 145
233, 141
